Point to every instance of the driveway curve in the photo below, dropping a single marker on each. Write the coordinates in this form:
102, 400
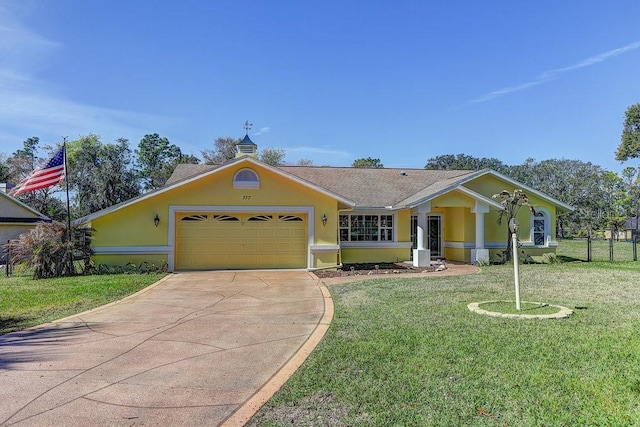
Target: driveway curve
196, 348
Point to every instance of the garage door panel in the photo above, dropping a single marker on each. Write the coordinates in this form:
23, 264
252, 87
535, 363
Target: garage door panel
221, 241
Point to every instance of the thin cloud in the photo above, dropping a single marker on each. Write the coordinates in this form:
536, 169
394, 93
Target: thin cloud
557, 72
318, 151
27, 100
320, 155
263, 130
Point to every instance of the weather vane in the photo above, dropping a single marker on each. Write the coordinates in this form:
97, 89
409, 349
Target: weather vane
247, 126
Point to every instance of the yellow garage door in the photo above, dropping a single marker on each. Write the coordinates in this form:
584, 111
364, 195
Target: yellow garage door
240, 241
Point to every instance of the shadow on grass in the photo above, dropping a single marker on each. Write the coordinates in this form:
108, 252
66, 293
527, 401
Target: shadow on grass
11, 324
565, 258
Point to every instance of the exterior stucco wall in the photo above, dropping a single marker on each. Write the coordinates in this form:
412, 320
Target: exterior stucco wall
373, 255
133, 226
496, 235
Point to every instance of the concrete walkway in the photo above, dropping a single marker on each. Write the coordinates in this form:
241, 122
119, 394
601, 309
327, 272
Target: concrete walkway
192, 349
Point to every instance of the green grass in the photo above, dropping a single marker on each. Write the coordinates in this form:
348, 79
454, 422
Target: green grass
25, 302
407, 351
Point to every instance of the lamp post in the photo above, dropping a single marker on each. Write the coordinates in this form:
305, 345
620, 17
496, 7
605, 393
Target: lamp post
513, 226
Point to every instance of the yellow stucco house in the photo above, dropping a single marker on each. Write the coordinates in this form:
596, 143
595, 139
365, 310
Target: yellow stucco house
249, 215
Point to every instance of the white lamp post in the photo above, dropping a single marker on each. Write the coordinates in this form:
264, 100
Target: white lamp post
513, 226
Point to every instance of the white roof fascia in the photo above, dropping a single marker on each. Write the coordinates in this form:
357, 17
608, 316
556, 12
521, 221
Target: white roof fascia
528, 189
249, 159
457, 187
455, 184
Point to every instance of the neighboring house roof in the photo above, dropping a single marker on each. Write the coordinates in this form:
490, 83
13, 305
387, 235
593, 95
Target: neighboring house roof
631, 224
13, 211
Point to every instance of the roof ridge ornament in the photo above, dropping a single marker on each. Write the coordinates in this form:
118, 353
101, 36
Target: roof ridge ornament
247, 127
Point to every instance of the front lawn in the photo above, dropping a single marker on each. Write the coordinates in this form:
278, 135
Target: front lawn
25, 302
407, 351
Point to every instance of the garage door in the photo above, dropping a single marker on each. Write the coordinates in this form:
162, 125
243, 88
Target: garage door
240, 241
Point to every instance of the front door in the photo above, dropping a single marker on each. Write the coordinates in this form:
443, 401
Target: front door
433, 235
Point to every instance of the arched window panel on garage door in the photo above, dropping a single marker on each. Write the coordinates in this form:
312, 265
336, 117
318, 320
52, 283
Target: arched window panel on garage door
228, 218
197, 217
290, 218
261, 218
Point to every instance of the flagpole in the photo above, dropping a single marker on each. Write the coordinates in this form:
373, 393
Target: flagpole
66, 180
71, 271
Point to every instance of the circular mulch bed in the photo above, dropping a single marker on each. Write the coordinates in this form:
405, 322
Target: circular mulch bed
561, 313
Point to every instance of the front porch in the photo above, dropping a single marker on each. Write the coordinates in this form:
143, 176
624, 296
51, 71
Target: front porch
452, 230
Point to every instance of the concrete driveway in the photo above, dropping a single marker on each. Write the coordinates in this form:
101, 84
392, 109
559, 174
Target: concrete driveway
196, 348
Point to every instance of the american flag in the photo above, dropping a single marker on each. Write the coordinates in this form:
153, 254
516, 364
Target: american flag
50, 174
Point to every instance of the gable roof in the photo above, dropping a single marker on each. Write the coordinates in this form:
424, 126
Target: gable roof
23, 213
529, 190
187, 175
384, 187
374, 187
367, 188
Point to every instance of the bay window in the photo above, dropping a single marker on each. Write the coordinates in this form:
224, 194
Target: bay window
366, 228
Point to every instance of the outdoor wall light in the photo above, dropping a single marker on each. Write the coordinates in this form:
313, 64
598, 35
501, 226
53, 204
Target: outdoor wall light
324, 219
156, 220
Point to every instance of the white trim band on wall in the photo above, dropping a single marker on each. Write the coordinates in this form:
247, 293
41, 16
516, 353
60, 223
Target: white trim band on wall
376, 245
324, 248
106, 250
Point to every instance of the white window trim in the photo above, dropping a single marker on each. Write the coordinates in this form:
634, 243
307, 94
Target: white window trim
371, 243
547, 228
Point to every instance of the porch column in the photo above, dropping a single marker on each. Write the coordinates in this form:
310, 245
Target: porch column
480, 255
422, 255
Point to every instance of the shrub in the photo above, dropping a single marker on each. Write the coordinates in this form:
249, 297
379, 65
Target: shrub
47, 249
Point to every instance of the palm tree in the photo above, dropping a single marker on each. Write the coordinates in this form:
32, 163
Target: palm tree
511, 204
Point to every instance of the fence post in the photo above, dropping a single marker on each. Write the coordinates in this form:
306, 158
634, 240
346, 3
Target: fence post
589, 246
7, 264
635, 245
611, 245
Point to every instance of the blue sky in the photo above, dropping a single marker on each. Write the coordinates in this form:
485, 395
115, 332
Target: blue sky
330, 81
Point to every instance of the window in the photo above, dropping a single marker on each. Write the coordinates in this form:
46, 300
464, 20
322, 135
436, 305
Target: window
366, 228
225, 218
540, 235
261, 218
195, 218
246, 178
290, 218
